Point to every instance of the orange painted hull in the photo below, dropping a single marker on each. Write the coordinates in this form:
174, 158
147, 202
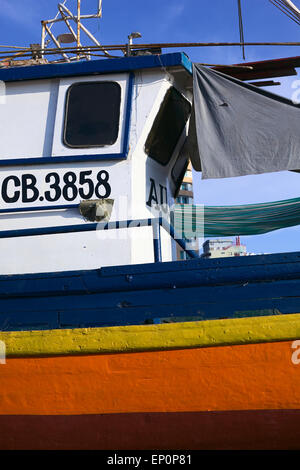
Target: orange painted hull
231, 397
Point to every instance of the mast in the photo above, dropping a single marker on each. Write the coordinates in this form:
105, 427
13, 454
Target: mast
65, 15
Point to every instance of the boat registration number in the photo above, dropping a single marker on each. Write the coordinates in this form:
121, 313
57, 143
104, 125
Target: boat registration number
53, 186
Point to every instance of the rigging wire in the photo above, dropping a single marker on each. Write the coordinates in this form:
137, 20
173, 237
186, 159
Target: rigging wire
241, 27
7, 55
288, 8
136, 47
286, 11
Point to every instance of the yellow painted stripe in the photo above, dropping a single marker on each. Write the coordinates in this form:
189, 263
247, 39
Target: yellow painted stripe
152, 337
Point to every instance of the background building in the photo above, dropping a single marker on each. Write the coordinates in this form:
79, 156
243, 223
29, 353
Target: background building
223, 247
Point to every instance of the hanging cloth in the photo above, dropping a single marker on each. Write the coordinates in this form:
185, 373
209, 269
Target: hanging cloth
252, 219
238, 129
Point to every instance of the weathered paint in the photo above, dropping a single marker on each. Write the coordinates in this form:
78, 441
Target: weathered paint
242, 377
151, 337
145, 293
168, 375
124, 64
238, 396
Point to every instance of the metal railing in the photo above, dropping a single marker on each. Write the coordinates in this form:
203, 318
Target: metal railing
155, 223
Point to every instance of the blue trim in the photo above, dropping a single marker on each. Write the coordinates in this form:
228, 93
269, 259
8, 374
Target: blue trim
64, 159
39, 208
157, 240
187, 64
104, 66
128, 114
83, 158
76, 228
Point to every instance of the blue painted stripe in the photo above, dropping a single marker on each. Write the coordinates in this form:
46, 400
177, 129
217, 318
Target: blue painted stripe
76, 228
104, 66
128, 114
63, 159
38, 208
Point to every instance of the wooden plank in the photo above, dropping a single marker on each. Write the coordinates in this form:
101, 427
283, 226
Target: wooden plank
138, 307
153, 276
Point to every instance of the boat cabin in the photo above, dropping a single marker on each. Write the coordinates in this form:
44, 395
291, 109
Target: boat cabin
105, 130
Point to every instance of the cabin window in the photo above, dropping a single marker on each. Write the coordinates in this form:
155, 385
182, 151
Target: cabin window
92, 114
168, 127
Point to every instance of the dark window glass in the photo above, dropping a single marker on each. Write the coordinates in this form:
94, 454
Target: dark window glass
92, 114
168, 127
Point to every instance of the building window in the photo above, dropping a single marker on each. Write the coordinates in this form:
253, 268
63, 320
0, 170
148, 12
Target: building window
168, 127
92, 114
186, 187
184, 200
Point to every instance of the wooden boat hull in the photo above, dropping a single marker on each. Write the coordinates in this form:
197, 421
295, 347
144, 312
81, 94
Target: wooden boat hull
220, 384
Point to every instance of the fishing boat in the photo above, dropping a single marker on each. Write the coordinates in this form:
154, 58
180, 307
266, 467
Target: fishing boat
108, 342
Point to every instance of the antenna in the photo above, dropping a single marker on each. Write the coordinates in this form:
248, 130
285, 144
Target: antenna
65, 15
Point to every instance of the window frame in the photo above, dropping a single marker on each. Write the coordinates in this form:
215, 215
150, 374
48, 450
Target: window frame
66, 107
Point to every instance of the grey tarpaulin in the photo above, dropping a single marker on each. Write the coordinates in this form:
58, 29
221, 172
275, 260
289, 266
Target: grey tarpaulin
238, 129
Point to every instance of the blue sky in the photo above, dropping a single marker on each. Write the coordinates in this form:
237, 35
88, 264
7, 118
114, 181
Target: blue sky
189, 21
